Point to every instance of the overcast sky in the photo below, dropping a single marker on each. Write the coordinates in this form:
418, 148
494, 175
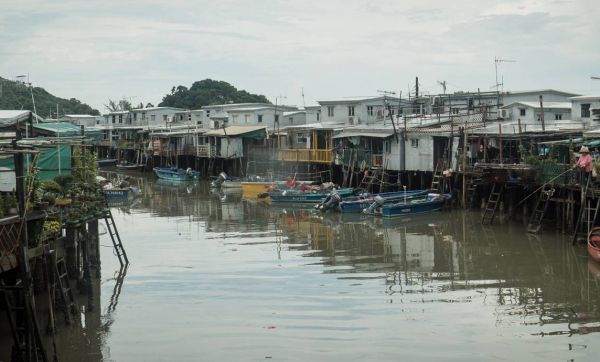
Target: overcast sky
96, 50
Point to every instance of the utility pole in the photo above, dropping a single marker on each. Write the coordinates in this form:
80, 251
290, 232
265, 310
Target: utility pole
416, 87
542, 114
389, 108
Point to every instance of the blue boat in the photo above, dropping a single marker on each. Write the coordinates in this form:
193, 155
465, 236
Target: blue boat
415, 205
365, 200
176, 174
298, 196
106, 162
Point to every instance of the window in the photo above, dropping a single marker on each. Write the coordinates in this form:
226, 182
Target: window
114, 118
208, 113
318, 116
135, 116
259, 118
558, 116
291, 119
350, 111
387, 146
181, 117
246, 118
165, 118
97, 121
414, 142
454, 110
301, 138
522, 111
370, 110
199, 123
153, 117
120, 118
585, 110
234, 118
143, 116
330, 111
276, 118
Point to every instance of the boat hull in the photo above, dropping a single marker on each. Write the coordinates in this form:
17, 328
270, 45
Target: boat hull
593, 244
107, 162
176, 174
305, 197
433, 202
359, 203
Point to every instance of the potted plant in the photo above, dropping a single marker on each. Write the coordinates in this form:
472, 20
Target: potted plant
10, 203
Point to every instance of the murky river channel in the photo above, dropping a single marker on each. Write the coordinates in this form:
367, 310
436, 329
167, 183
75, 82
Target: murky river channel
214, 277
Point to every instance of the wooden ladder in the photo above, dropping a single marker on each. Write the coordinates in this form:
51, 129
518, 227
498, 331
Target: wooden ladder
116, 239
535, 221
65, 292
21, 315
588, 212
436, 181
492, 204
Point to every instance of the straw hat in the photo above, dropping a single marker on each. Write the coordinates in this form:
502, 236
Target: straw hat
584, 149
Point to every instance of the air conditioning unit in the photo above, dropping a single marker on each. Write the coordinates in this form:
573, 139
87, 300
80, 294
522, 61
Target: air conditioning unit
504, 113
350, 120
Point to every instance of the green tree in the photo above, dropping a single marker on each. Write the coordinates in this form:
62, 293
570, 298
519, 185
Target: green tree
208, 92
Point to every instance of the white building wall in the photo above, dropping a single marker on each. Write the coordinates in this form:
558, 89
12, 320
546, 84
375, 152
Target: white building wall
232, 147
576, 110
419, 158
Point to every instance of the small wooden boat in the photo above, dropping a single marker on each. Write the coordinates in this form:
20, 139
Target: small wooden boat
414, 205
254, 188
365, 200
176, 174
226, 182
298, 196
593, 244
130, 166
106, 162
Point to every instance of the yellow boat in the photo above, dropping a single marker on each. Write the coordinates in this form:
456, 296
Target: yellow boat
251, 189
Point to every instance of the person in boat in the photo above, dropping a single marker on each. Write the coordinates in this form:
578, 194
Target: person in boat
584, 165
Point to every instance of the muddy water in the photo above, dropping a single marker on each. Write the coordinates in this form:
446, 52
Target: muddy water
214, 277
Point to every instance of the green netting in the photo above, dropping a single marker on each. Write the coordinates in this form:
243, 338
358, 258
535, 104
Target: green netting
52, 161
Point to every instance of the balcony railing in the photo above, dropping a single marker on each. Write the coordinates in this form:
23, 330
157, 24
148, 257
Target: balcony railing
126, 144
206, 151
306, 155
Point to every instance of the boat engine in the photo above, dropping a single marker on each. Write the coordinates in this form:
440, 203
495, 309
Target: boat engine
331, 201
378, 201
219, 180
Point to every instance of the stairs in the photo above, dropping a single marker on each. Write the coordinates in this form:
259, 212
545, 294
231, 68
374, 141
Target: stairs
492, 204
587, 217
535, 221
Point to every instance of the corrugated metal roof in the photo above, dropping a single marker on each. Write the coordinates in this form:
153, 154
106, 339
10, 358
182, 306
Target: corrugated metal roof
382, 134
63, 128
547, 105
234, 130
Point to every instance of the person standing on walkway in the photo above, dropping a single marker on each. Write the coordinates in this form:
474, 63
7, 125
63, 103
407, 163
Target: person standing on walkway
584, 165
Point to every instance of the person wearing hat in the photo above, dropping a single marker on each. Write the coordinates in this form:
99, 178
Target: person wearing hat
585, 161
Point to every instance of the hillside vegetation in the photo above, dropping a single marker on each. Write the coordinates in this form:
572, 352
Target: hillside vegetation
208, 92
16, 95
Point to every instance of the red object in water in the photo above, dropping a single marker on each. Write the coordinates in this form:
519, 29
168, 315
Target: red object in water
593, 244
269, 327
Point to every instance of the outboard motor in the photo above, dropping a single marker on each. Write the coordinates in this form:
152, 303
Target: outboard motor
332, 200
378, 201
219, 180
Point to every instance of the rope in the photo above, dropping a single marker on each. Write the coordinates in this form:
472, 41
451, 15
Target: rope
541, 187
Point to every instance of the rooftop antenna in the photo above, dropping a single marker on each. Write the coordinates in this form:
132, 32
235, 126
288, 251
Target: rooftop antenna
443, 84
303, 101
498, 60
386, 93
28, 83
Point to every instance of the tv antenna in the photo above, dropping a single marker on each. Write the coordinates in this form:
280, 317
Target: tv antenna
443, 84
497, 61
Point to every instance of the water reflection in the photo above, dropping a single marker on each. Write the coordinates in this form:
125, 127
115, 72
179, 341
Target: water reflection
233, 279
